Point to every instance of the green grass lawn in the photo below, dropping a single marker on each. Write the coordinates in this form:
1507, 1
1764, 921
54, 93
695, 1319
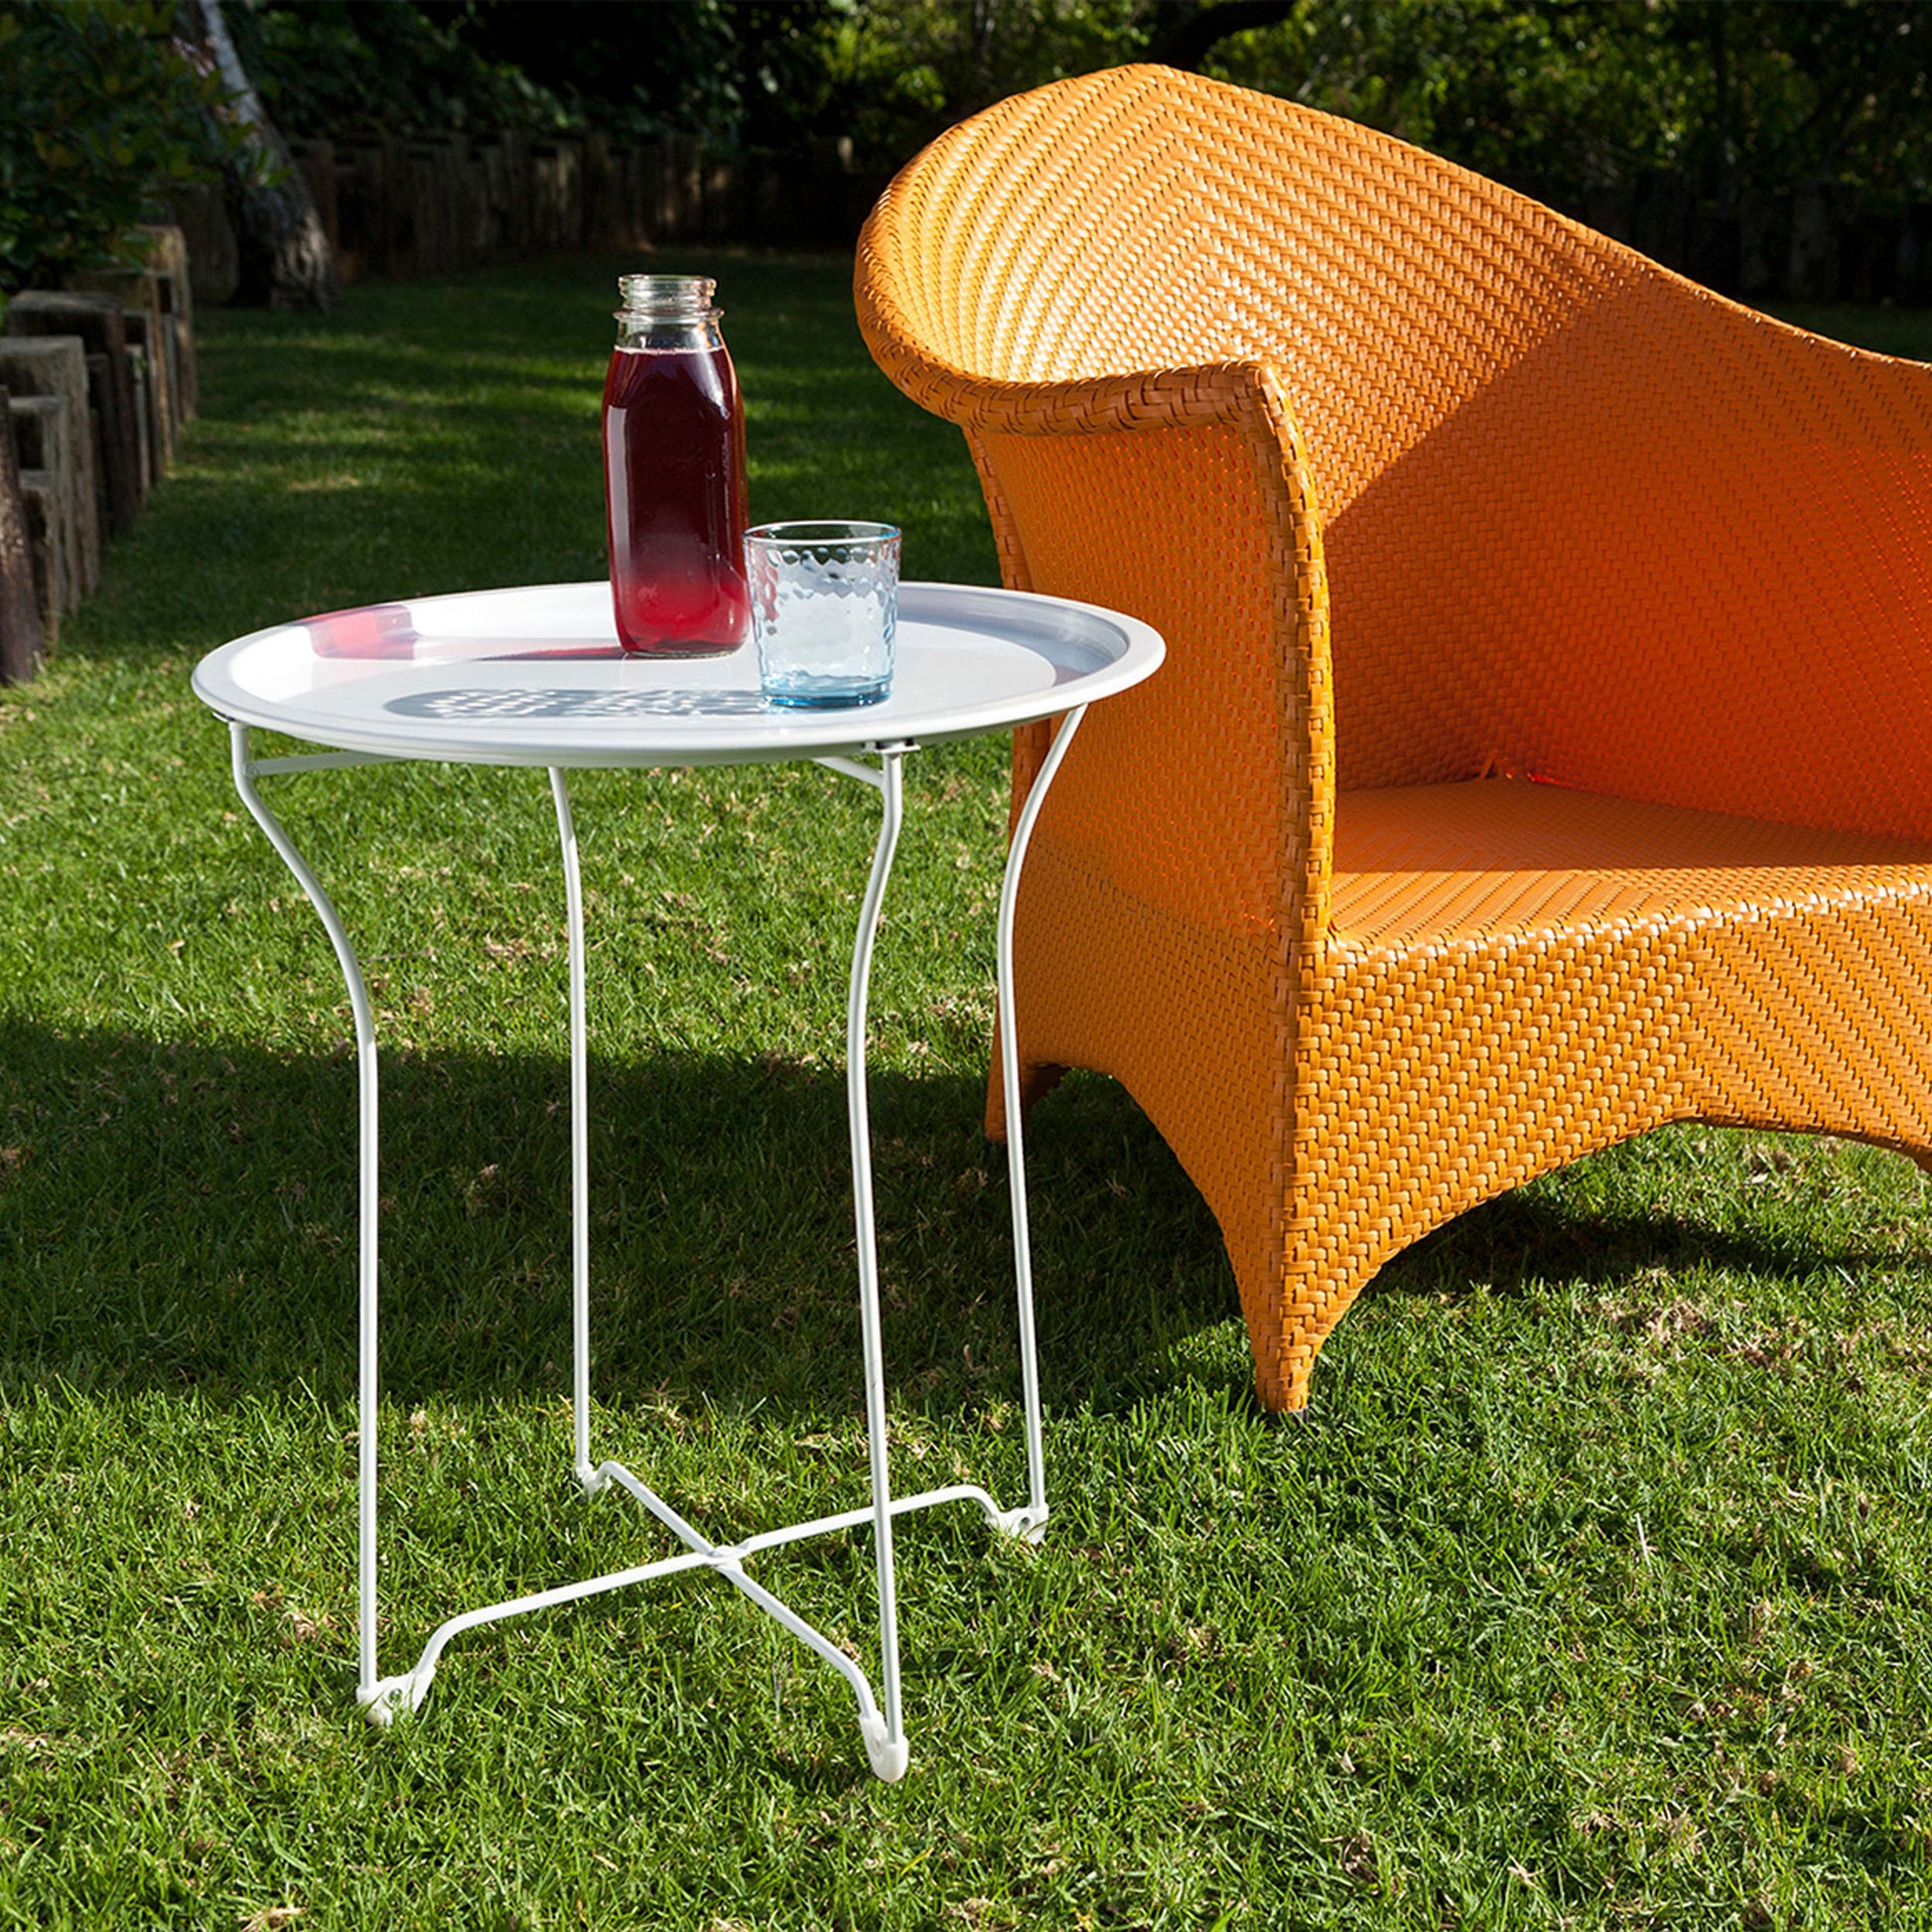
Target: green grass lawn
1593, 1588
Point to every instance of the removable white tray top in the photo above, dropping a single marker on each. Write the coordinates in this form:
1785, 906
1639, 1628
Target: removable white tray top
535, 676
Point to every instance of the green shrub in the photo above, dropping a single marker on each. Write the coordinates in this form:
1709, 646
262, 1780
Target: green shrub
103, 105
328, 68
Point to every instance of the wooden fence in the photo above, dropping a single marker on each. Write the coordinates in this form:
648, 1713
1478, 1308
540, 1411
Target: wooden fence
427, 206
430, 205
1817, 242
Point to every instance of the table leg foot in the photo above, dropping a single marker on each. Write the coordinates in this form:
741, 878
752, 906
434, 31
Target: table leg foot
384, 1699
890, 1755
1027, 1523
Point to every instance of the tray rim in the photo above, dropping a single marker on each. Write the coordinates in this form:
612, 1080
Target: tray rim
1024, 618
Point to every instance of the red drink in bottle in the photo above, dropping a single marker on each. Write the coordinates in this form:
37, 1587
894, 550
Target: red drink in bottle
674, 473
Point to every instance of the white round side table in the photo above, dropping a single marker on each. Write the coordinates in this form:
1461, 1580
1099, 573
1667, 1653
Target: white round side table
533, 677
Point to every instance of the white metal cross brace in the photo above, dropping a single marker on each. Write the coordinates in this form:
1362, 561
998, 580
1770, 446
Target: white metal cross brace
883, 1730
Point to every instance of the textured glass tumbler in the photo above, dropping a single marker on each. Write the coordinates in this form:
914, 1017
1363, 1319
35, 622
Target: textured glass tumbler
824, 611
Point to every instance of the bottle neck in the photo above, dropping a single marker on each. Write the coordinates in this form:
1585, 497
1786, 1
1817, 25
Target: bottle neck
667, 311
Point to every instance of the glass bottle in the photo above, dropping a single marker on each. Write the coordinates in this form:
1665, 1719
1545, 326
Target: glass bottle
674, 473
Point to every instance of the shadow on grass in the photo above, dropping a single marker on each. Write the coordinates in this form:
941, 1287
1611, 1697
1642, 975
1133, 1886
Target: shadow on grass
176, 1217
1517, 1241
1525, 1239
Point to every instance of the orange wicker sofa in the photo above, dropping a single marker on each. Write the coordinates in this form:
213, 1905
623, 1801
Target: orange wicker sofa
1544, 750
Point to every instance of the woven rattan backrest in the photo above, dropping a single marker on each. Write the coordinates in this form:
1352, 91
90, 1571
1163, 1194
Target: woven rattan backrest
1579, 516
1141, 219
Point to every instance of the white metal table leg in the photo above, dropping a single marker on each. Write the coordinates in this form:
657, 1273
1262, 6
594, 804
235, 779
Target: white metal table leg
886, 1746
1031, 1521
882, 1729
592, 1478
370, 1690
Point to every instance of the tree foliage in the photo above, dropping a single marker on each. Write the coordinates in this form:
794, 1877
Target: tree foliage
1575, 93
333, 66
905, 69
102, 106
1579, 93
748, 73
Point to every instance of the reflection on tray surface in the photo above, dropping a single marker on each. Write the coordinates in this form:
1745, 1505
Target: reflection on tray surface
385, 633
384, 630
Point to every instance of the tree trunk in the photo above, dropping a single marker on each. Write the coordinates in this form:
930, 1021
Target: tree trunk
286, 261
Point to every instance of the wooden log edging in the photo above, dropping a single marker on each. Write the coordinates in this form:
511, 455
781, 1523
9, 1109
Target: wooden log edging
168, 263
98, 321
138, 291
44, 445
57, 366
20, 613
95, 383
